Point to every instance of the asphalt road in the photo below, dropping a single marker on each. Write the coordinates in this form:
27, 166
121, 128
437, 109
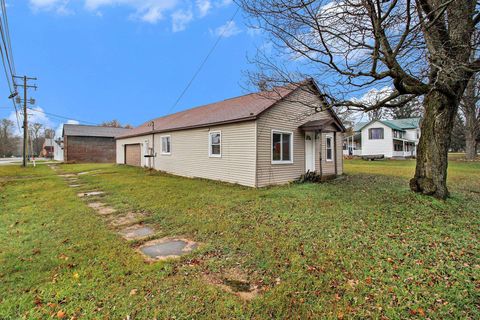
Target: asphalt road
5, 161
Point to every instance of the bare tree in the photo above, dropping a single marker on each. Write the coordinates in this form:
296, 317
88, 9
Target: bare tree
6, 138
37, 138
470, 108
115, 124
412, 109
417, 47
49, 133
375, 114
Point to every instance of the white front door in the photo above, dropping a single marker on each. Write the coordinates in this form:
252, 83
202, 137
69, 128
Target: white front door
309, 151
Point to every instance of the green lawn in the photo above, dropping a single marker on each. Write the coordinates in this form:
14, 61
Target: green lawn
359, 247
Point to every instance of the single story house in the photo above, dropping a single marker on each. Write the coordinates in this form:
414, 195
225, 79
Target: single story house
82, 143
259, 139
390, 138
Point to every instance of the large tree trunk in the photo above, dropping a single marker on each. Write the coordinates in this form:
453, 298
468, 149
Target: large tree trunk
470, 145
432, 154
469, 108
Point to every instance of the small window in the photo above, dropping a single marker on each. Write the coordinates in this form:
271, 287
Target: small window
281, 147
166, 148
375, 133
329, 145
215, 144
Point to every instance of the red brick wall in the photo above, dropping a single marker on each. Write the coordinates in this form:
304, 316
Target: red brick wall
89, 149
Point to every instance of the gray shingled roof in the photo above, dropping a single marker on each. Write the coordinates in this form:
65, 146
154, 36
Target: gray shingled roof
398, 124
92, 131
246, 107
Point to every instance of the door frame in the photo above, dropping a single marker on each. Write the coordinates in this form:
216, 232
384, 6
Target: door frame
125, 152
313, 143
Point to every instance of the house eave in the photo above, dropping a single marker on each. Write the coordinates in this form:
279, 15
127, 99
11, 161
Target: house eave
188, 127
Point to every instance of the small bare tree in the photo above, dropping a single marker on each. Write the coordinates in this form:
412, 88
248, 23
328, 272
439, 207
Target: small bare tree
6, 138
115, 124
38, 139
420, 48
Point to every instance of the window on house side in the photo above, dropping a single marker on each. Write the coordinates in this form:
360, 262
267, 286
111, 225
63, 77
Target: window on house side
281, 147
329, 144
215, 144
375, 133
166, 145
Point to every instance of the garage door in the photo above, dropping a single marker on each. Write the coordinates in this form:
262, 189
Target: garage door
133, 155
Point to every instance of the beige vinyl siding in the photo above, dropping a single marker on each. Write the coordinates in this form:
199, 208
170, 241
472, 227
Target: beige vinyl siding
339, 146
189, 155
328, 167
286, 115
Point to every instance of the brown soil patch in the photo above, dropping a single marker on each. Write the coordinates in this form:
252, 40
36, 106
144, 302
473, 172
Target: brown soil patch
96, 205
236, 282
106, 210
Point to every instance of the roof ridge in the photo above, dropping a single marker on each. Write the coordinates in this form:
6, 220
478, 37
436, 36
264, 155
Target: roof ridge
91, 125
206, 105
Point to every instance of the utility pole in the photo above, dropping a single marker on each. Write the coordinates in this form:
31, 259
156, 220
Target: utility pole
25, 114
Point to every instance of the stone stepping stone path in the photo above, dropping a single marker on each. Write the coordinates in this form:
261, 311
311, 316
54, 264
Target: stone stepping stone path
167, 248
136, 232
88, 172
67, 175
90, 194
131, 228
96, 205
106, 210
126, 219
101, 208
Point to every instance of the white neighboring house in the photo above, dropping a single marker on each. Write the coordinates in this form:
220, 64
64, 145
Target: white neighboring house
58, 149
390, 138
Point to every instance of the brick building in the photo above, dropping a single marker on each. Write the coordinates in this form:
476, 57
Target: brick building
82, 143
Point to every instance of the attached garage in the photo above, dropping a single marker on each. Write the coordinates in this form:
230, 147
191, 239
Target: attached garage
133, 155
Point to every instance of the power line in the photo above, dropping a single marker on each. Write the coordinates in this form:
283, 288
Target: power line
5, 44
60, 116
220, 36
9, 56
7, 31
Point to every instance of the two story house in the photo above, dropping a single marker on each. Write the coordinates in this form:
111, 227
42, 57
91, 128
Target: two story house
390, 138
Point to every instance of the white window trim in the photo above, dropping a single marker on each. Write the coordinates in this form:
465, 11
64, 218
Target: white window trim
161, 145
331, 147
210, 144
291, 147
